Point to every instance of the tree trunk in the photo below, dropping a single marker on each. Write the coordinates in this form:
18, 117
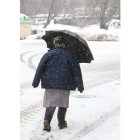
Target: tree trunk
47, 23
49, 15
103, 26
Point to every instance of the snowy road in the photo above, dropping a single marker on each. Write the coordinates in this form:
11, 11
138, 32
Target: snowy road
88, 111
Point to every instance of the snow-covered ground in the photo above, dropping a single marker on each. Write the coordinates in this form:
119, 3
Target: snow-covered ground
92, 115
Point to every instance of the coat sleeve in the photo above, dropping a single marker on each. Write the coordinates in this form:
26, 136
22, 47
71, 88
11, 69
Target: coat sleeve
77, 73
40, 70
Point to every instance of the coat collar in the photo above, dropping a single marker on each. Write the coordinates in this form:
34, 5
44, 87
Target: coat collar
58, 48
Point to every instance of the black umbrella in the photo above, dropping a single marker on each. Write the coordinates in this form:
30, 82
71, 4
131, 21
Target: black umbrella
73, 42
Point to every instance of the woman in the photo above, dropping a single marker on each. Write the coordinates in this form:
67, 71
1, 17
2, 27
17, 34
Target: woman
59, 72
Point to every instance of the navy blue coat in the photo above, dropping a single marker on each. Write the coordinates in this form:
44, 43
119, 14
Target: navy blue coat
59, 69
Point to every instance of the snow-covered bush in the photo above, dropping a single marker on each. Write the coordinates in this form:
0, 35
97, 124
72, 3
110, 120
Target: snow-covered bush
103, 37
90, 33
115, 23
34, 32
35, 36
100, 37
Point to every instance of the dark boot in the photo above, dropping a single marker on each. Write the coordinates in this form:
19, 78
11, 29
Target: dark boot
62, 124
47, 126
48, 117
61, 117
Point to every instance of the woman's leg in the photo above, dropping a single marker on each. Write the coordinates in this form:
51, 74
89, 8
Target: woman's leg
49, 113
61, 114
61, 117
48, 117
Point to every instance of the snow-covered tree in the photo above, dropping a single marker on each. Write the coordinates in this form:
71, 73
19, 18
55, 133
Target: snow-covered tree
104, 11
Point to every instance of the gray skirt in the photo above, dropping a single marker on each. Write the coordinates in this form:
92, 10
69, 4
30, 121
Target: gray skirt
56, 98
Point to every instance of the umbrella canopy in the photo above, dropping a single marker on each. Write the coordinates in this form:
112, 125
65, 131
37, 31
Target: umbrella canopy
73, 42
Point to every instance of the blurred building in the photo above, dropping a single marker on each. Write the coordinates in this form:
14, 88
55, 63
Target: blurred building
25, 26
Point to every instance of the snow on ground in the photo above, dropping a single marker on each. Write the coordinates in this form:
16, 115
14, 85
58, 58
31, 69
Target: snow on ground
90, 33
93, 114
108, 130
27, 73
